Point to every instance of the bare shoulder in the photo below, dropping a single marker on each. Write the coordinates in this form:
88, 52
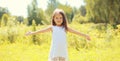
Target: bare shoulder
49, 27
72, 30
69, 29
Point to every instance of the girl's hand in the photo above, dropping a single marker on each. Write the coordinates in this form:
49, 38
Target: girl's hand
28, 33
88, 38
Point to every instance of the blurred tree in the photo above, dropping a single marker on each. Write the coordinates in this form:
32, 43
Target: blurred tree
34, 29
35, 13
20, 18
107, 11
35, 38
75, 10
4, 19
82, 10
78, 18
11, 31
80, 15
52, 5
2, 12
41, 15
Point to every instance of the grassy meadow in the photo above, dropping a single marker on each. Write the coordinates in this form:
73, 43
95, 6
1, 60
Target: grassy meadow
104, 44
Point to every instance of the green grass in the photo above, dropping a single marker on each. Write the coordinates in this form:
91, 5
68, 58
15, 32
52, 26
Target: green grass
25, 52
104, 46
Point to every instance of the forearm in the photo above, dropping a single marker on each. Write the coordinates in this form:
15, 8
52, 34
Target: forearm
39, 31
77, 32
33, 33
81, 34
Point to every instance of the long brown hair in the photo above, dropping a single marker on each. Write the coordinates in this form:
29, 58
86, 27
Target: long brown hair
60, 11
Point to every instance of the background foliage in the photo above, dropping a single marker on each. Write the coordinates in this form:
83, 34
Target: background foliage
99, 19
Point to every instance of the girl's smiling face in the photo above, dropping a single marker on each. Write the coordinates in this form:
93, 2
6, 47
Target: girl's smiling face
58, 19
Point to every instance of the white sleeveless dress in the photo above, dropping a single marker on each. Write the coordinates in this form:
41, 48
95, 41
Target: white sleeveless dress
58, 43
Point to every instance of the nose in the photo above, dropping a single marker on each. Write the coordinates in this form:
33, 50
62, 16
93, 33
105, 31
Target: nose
59, 19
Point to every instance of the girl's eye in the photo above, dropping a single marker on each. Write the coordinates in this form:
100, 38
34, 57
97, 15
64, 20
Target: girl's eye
56, 18
60, 17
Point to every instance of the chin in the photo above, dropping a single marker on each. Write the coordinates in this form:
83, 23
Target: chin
59, 25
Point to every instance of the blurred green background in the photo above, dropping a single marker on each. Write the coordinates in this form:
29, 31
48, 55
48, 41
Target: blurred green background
97, 18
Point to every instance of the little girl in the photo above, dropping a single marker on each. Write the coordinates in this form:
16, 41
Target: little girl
58, 50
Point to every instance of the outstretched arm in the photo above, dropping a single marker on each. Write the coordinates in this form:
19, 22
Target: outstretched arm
78, 33
40, 31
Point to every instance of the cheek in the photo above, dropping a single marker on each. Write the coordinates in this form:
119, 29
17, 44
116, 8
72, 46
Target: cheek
61, 21
55, 20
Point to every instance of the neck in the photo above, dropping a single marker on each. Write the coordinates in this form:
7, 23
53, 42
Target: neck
59, 25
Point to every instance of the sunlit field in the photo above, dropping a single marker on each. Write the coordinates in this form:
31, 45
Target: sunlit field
100, 19
104, 44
